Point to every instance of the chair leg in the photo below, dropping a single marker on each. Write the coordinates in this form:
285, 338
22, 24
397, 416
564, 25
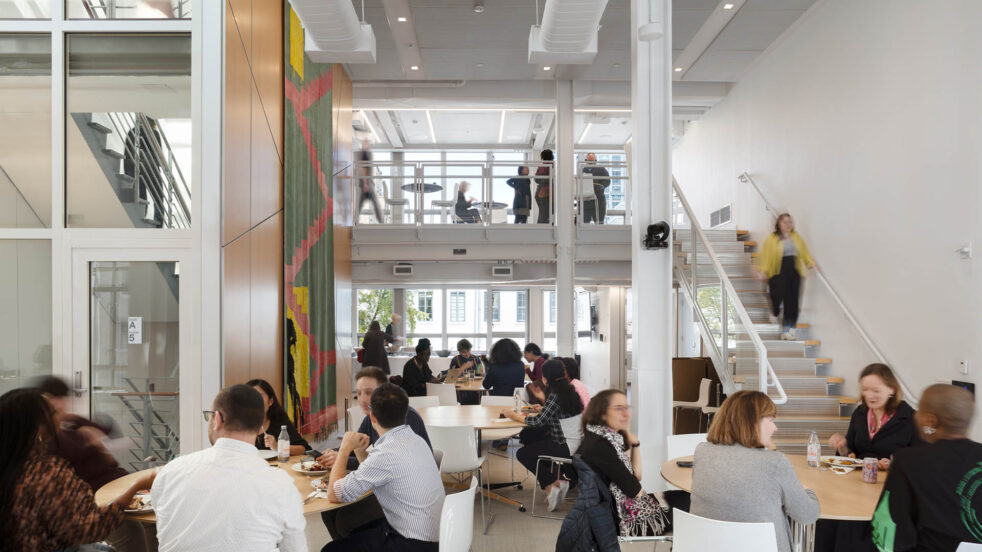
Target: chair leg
480, 484
675, 420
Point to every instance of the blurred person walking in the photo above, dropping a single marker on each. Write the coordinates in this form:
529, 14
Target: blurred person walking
366, 184
784, 261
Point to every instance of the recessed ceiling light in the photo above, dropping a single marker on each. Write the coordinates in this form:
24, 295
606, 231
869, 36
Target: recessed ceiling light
678, 69
727, 6
480, 65
547, 68
402, 19
478, 6
617, 64
416, 68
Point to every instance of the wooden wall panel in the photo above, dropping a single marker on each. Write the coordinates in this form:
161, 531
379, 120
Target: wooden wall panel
242, 11
236, 290
267, 63
238, 94
267, 301
267, 171
342, 149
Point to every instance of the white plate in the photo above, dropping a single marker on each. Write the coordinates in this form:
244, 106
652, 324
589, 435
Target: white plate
842, 461
319, 484
267, 454
296, 467
147, 507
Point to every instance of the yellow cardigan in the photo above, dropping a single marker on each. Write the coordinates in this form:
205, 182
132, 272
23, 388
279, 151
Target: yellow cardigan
772, 252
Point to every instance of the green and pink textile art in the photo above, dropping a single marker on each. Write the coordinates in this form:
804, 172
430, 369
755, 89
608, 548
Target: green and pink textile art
308, 237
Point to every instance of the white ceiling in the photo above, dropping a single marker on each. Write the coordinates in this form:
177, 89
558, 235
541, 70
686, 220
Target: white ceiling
480, 61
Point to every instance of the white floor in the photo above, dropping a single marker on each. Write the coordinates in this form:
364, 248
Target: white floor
510, 529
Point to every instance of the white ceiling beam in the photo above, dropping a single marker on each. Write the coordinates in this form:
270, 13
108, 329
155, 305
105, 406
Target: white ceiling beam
387, 120
404, 35
705, 36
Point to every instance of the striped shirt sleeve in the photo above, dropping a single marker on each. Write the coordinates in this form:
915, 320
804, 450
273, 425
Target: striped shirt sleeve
371, 474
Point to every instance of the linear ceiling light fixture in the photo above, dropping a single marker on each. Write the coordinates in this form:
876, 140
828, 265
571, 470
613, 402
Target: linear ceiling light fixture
586, 129
371, 127
727, 6
725, 11
402, 19
501, 127
429, 121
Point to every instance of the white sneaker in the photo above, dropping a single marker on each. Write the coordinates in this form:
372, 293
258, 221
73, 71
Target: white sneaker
773, 319
552, 498
788, 334
563, 489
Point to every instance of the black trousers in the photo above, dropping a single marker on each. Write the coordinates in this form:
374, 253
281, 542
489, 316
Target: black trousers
521, 219
543, 203
529, 454
379, 536
342, 522
370, 197
785, 288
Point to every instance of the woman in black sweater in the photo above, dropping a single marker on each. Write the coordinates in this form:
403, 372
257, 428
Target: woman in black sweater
506, 371
276, 418
613, 452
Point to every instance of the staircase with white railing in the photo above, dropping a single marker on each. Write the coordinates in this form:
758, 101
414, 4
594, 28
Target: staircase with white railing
713, 268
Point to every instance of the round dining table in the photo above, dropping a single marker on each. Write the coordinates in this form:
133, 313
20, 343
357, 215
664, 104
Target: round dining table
840, 496
424, 187
476, 384
108, 492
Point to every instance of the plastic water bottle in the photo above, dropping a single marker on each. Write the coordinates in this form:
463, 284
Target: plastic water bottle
518, 401
283, 445
814, 450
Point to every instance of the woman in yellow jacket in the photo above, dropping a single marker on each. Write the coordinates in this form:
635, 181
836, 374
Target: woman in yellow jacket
784, 261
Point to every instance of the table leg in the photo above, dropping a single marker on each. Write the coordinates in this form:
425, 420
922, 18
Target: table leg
802, 536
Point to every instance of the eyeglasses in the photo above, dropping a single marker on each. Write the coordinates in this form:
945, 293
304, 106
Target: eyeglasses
209, 414
620, 408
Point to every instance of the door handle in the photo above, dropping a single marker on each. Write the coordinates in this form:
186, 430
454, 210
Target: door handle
79, 390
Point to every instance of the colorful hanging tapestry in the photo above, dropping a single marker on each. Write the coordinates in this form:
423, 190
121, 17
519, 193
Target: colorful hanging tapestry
308, 237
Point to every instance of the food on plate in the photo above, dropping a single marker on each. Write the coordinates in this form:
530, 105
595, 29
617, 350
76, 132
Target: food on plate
311, 466
319, 484
140, 501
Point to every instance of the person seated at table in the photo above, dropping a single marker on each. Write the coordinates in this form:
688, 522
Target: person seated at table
573, 375
881, 425
274, 420
928, 501
522, 204
465, 361
342, 522
400, 472
562, 402
416, 372
533, 355
612, 451
80, 442
462, 209
736, 477
505, 371
44, 504
227, 496
373, 347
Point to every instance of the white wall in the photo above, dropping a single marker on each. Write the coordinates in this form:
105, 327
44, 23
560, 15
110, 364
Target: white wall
864, 123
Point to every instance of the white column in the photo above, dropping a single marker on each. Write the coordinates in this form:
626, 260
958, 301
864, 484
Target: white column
398, 307
563, 196
535, 319
651, 202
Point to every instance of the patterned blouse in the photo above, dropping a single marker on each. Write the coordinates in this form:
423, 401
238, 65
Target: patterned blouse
55, 509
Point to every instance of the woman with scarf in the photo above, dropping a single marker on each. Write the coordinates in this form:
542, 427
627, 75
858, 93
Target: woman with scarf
613, 452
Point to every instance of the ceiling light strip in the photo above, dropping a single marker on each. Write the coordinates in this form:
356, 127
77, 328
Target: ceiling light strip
429, 121
583, 134
371, 127
501, 127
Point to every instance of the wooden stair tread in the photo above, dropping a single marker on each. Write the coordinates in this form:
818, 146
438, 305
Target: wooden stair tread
743, 232
750, 243
812, 343
823, 360
742, 378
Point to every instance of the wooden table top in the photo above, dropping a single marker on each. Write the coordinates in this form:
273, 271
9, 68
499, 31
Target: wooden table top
843, 497
481, 417
108, 492
474, 385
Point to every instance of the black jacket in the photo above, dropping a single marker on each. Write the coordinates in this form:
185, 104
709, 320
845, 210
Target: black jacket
523, 194
600, 455
590, 526
374, 345
503, 379
415, 374
898, 433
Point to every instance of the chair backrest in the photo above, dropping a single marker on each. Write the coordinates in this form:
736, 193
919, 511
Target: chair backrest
446, 393
704, 387
586, 187
524, 393
490, 400
457, 520
424, 402
459, 446
355, 416
572, 431
683, 445
969, 547
697, 534
438, 456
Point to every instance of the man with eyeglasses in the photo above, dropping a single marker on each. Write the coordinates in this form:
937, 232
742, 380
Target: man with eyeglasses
226, 497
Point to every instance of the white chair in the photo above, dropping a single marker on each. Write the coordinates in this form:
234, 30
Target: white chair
969, 547
573, 432
678, 446
444, 392
702, 401
459, 446
438, 456
424, 402
698, 534
457, 520
710, 413
501, 434
355, 416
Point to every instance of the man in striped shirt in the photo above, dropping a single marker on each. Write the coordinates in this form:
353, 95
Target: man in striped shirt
400, 472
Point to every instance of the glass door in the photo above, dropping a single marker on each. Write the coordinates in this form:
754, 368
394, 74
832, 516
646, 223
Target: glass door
129, 348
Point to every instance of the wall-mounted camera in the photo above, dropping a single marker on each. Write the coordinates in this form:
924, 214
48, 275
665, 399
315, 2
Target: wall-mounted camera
657, 236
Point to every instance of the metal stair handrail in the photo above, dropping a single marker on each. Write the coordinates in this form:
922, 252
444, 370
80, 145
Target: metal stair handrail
21, 194
767, 376
911, 398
